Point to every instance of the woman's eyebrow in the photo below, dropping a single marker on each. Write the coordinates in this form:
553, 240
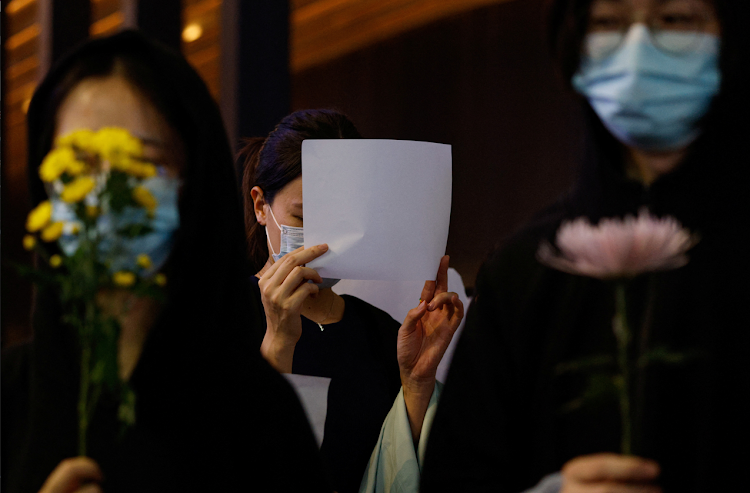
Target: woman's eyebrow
151, 141
297, 206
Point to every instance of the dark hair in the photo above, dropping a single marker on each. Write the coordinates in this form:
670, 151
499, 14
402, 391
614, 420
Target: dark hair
272, 162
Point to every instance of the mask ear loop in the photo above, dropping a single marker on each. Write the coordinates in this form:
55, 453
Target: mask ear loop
268, 238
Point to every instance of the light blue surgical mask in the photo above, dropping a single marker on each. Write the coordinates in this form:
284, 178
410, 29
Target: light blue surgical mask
121, 253
291, 239
649, 98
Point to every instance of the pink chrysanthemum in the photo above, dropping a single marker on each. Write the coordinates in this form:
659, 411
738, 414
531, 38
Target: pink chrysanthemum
618, 248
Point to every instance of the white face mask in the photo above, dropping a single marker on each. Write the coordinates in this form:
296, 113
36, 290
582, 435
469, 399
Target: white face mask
291, 239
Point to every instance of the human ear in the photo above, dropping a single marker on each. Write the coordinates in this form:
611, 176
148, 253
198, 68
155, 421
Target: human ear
259, 203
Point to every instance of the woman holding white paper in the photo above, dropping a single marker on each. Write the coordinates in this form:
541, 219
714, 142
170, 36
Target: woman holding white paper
311, 330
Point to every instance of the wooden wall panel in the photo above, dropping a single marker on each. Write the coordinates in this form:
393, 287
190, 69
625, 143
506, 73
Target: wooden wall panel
20, 57
203, 17
323, 30
106, 17
481, 81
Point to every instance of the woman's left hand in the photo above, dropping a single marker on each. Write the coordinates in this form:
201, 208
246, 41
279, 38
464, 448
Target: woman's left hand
422, 341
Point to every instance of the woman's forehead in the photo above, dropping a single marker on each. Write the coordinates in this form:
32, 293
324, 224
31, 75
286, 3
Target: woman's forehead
95, 103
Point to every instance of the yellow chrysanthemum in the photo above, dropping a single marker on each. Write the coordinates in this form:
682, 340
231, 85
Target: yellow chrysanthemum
124, 165
52, 232
39, 217
123, 278
75, 229
55, 261
29, 242
143, 261
160, 279
114, 143
141, 170
145, 199
76, 190
56, 163
82, 139
75, 168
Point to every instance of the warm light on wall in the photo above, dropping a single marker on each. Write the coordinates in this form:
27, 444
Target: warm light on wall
192, 32
17, 5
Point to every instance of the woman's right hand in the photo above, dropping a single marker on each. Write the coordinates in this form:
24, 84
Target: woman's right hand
75, 475
610, 473
283, 290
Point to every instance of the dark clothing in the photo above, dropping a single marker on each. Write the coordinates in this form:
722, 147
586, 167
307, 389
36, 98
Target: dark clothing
228, 442
358, 354
504, 420
208, 415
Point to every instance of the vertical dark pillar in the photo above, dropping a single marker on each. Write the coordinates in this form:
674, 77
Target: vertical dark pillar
162, 20
63, 26
256, 60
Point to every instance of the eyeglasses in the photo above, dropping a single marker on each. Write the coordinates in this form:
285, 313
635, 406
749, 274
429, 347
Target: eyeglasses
672, 24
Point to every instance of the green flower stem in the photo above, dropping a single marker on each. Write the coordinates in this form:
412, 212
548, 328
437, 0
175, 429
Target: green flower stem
83, 394
622, 334
89, 392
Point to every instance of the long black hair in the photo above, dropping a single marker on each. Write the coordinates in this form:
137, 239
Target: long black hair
201, 388
272, 162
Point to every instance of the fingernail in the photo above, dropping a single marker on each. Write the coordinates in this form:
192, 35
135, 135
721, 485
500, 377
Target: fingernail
652, 468
323, 246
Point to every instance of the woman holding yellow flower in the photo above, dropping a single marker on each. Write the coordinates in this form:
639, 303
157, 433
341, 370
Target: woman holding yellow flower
202, 409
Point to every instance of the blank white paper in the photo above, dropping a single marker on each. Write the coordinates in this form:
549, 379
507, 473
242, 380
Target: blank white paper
382, 206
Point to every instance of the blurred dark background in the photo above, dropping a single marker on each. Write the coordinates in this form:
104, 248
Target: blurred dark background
473, 73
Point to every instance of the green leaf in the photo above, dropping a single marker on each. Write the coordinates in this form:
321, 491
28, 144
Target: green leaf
126, 412
589, 363
663, 355
97, 373
599, 388
119, 192
135, 230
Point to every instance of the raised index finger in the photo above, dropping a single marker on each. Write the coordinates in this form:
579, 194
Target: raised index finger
442, 275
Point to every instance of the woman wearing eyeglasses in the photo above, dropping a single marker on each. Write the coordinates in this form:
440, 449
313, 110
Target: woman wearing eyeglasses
665, 93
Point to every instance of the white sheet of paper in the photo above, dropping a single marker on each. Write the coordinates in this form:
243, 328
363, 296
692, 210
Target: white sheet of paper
382, 206
313, 394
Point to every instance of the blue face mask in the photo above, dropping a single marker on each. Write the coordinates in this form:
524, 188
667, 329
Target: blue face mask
121, 253
647, 98
291, 239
